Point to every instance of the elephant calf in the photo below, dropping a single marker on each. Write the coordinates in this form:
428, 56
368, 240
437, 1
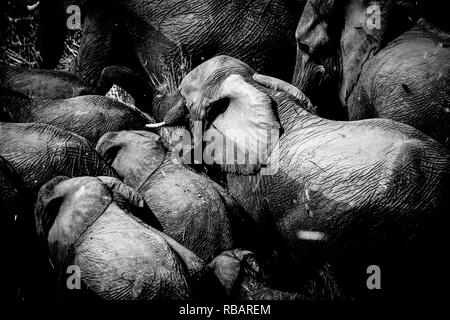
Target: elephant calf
42, 84
89, 116
191, 208
88, 226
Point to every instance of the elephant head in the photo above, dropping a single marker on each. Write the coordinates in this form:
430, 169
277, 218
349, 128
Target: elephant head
229, 105
135, 154
192, 209
88, 225
236, 116
334, 41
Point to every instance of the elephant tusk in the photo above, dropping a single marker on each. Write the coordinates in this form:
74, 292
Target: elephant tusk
33, 6
155, 125
311, 235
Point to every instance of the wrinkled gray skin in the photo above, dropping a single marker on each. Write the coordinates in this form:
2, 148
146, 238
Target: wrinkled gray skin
42, 84
13, 207
408, 81
38, 153
351, 193
338, 52
334, 41
88, 222
192, 209
150, 36
89, 116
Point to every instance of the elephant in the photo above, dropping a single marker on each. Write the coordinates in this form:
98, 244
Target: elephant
89, 116
87, 225
354, 194
42, 84
362, 53
38, 153
335, 39
192, 209
160, 40
408, 81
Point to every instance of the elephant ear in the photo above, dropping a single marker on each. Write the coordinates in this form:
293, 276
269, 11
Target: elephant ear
240, 122
135, 155
47, 207
66, 208
227, 269
230, 266
364, 31
130, 201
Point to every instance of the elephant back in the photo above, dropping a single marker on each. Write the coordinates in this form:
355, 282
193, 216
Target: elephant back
121, 259
41, 152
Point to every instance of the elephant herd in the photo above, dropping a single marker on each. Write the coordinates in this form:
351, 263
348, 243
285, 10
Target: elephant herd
338, 118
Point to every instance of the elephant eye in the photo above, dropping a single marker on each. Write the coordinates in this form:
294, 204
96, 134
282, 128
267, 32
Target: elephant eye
111, 154
216, 108
303, 47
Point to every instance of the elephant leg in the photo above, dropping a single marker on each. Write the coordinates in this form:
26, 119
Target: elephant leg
95, 49
104, 43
